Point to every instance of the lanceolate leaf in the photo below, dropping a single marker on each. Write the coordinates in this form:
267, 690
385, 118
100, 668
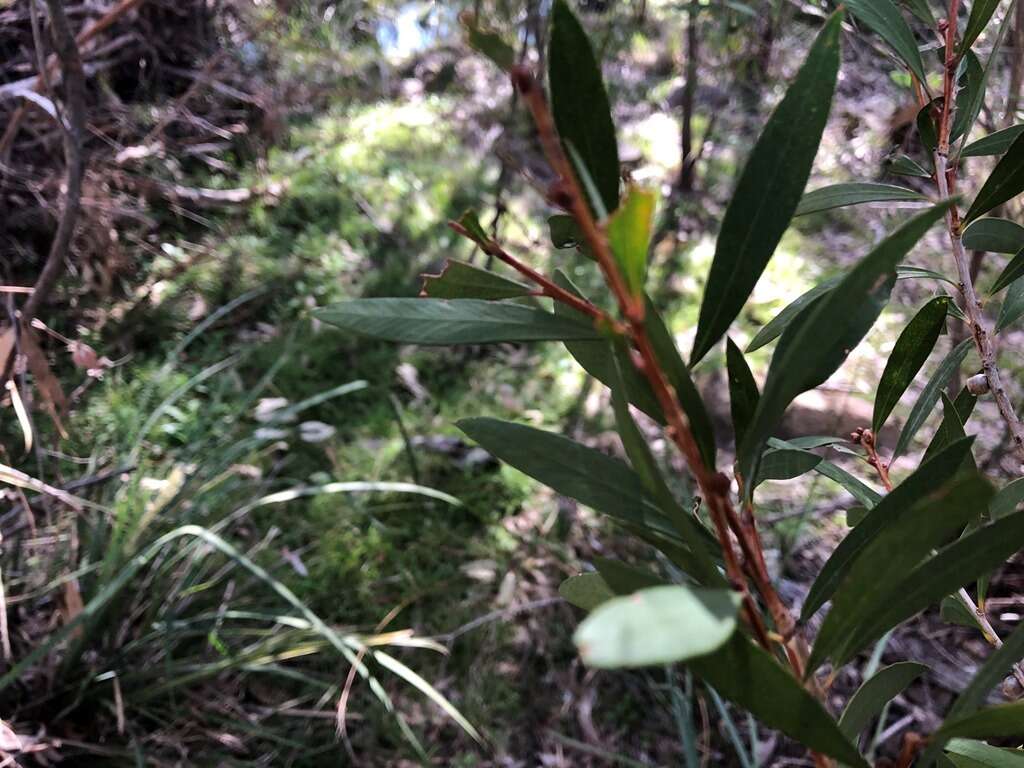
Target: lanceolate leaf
972, 91
658, 625
579, 102
968, 558
912, 349
875, 693
1005, 182
816, 344
563, 231
930, 395
905, 166
781, 321
595, 357
840, 195
929, 476
679, 377
487, 42
1013, 271
861, 492
994, 144
997, 235
624, 579
785, 464
981, 13
459, 280
885, 19
629, 235
586, 591
909, 272
968, 753
922, 10
996, 667
867, 602
743, 394
458, 321
1007, 499
1013, 305
769, 190
589, 476
749, 677
993, 723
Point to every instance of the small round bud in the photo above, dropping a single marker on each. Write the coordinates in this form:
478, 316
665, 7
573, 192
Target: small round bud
978, 384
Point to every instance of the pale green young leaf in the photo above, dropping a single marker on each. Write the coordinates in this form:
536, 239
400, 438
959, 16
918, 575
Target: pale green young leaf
769, 189
658, 625
629, 235
455, 321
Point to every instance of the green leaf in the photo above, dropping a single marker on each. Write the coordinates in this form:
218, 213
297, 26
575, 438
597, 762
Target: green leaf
952, 427
963, 561
1013, 306
996, 667
785, 464
629, 235
913, 347
1013, 271
905, 166
909, 272
875, 693
885, 19
586, 591
922, 10
926, 127
658, 625
624, 579
883, 514
459, 280
972, 91
995, 143
487, 42
563, 231
471, 223
993, 723
982, 755
749, 677
781, 321
678, 375
855, 193
863, 493
743, 394
996, 235
769, 189
589, 476
595, 357
930, 395
1005, 182
456, 321
1007, 499
952, 610
699, 564
824, 333
579, 102
981, 13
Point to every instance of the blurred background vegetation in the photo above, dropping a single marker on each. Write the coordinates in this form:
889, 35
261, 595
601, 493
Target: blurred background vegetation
239, 475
